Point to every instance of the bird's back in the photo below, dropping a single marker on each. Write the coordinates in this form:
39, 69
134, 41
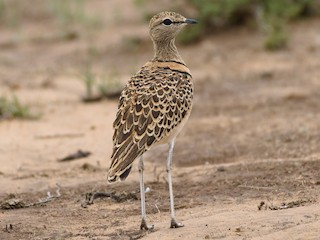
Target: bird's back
152, 109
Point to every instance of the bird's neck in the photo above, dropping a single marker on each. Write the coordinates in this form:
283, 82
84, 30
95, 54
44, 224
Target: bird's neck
166, 51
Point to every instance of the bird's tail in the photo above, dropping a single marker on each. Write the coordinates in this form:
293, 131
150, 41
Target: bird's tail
114, 175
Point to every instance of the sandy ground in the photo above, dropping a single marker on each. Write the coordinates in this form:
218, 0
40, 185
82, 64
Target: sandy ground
253, 137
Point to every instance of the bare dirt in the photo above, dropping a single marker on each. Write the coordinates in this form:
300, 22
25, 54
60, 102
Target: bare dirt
252, 141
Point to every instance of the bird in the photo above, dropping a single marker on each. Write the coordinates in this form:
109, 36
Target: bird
153, 107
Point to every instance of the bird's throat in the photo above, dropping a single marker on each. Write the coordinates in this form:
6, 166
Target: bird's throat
166, 51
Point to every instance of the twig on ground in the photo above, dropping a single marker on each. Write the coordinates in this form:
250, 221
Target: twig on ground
77, 155
47, 199
157, 208
15, 203
64, 135
90, 197
256, 187
282, 206
165, 180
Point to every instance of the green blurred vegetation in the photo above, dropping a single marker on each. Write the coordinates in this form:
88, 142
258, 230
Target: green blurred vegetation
98, 87
72, 12
272, 15
13, 108
9, 15
89, 80
66, 12
110, 86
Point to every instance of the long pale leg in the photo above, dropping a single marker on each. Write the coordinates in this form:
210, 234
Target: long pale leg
174, 223
143, 225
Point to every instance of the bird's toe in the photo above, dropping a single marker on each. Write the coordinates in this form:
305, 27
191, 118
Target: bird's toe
145, 226
175, 224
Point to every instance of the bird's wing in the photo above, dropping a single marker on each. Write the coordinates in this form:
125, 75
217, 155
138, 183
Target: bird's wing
151, 106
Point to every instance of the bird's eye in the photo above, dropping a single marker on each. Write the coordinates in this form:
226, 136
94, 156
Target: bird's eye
167, 22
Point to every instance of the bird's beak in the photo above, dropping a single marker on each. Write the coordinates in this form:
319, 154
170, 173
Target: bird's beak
190, 21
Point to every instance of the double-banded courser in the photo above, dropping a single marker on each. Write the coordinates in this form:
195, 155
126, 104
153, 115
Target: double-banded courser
153, 107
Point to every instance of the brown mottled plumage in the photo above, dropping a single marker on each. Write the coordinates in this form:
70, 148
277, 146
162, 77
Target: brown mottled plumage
155, 103
152, 105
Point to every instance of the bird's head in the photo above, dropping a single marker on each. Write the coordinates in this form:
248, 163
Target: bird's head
165, 26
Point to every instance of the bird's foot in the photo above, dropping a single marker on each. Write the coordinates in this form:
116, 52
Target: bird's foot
145, 226
175, 224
